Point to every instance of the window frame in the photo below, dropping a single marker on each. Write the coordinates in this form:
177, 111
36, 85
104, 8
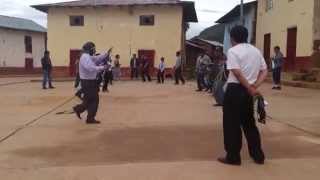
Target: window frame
143, 17
73, 20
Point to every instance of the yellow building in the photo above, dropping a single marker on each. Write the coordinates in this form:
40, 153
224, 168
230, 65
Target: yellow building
291, 24
154, 28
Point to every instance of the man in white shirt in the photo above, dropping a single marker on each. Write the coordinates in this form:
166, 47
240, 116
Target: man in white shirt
89, 67
161, 71
248, 70
178, 69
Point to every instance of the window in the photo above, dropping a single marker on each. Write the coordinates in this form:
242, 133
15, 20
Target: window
76, 20
147, 20
269, 5
28, 44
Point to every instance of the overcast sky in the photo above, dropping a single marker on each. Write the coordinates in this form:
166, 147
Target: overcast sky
208, 11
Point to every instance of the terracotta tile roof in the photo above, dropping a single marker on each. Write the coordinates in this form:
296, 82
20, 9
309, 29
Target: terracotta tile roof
189, 9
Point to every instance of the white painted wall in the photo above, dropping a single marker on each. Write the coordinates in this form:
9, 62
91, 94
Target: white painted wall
249, 18
12, 48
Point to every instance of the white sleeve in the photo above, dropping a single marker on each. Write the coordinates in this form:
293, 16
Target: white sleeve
90, 66
99, 59
232, 61
263, 65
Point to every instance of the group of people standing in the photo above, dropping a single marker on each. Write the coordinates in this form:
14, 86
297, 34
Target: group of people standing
208, 67
247, 71
143, 66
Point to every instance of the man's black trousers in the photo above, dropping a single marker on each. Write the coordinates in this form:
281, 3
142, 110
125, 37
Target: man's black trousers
178, 75
134, 73
238, 116
200, 80
160, 76
90, 102
276, 74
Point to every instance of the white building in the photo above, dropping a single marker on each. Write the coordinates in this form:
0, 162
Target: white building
22, 44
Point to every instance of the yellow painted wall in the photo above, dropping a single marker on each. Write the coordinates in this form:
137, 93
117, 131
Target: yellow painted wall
284, 15
118, 27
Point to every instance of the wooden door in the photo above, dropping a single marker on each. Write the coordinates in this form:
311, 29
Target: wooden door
291, 49
150, 55
267, 48
74, 55
29, 64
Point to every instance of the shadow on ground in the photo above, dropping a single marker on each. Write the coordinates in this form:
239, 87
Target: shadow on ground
160, 144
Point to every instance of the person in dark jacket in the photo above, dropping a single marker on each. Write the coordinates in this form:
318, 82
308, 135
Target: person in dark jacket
145, 69
46, 69
134, 64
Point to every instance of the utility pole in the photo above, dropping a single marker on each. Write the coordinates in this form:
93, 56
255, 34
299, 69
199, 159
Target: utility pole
241, 13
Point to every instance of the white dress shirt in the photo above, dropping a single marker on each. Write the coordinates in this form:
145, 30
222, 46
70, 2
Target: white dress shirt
248, 59
90, 66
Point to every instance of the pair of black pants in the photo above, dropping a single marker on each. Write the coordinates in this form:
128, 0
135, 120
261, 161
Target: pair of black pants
160, 77
200, 81
107, 79
178, 76
238, 113
134, 73
90, 101
276, 74
145, 73
77, 80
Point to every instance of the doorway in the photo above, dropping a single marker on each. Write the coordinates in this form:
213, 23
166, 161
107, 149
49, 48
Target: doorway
291, 49
74, 55
150, 55
267, 48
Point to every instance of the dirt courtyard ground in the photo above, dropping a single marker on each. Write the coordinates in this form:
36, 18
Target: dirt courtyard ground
149, 132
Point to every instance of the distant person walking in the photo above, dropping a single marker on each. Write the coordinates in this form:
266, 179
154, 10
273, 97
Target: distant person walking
145, 69
161, 71
248, 70
47, 70
117, 68
178, 69
134, 66
277, 62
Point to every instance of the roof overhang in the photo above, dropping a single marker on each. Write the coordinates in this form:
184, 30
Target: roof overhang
189, 12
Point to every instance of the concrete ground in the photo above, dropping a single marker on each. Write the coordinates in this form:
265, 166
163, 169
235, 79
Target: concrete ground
148, 132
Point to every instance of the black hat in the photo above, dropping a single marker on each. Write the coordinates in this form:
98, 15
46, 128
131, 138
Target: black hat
88, 46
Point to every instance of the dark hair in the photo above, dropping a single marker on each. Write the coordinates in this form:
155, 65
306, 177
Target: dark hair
162, 59
46, 52
88, 46
220, 49
117, 56
277, 47
239, 34
178, 53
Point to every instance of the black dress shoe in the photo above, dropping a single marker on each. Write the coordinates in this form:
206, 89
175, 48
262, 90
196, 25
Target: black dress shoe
51, 87
229, 162
77, 112
93, 122
199, 90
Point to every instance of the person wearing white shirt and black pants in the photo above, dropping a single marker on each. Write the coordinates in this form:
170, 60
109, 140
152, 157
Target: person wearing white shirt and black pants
161, 71
89, 67
248, 70
178, 69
